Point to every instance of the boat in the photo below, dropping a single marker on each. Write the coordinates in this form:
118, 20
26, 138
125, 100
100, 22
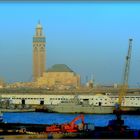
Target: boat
115, 129
74, 105
97, 104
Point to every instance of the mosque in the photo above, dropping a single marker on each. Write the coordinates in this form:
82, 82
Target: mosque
59, 75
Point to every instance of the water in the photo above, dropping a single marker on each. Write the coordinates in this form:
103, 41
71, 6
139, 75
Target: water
133, 121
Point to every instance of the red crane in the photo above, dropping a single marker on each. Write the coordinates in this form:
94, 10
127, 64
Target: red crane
67, 127
72, 127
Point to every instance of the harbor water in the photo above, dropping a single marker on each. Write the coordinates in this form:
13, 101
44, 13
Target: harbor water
133, 121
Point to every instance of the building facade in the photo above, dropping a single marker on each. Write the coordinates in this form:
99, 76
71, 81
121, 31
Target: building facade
59, 76
39, 53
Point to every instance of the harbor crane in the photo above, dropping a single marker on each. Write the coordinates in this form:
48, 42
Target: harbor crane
123, 89
124, 86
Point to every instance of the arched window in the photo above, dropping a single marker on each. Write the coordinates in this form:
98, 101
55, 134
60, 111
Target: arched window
35, 49
42, 49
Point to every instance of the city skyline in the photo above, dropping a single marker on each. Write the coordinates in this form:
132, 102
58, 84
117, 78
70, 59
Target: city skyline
91, 38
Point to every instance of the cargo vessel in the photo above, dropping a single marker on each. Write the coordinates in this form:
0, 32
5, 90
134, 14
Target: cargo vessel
76, 106
98, 104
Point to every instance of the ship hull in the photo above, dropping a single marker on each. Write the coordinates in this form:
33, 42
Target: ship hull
90, 109
81, 109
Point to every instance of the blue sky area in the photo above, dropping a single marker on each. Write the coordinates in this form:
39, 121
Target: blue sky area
91, 38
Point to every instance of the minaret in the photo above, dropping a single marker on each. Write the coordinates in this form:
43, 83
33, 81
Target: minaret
39, 53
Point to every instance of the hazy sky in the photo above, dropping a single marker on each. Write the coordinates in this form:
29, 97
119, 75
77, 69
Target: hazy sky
91, 38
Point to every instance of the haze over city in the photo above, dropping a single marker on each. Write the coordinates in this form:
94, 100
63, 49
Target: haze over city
91, 38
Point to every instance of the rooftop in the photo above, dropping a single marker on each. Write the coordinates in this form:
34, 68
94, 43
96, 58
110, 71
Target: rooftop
59, 68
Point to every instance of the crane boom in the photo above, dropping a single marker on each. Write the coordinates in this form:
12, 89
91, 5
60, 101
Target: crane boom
127, 64
126, 73
77, 118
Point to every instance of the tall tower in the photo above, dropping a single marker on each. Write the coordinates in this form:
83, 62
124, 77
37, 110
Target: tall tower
39, 52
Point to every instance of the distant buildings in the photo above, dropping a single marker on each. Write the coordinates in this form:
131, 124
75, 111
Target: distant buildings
58, 76
21, 85
2, 83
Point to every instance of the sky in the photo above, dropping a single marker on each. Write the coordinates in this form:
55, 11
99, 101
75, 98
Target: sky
91, 38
